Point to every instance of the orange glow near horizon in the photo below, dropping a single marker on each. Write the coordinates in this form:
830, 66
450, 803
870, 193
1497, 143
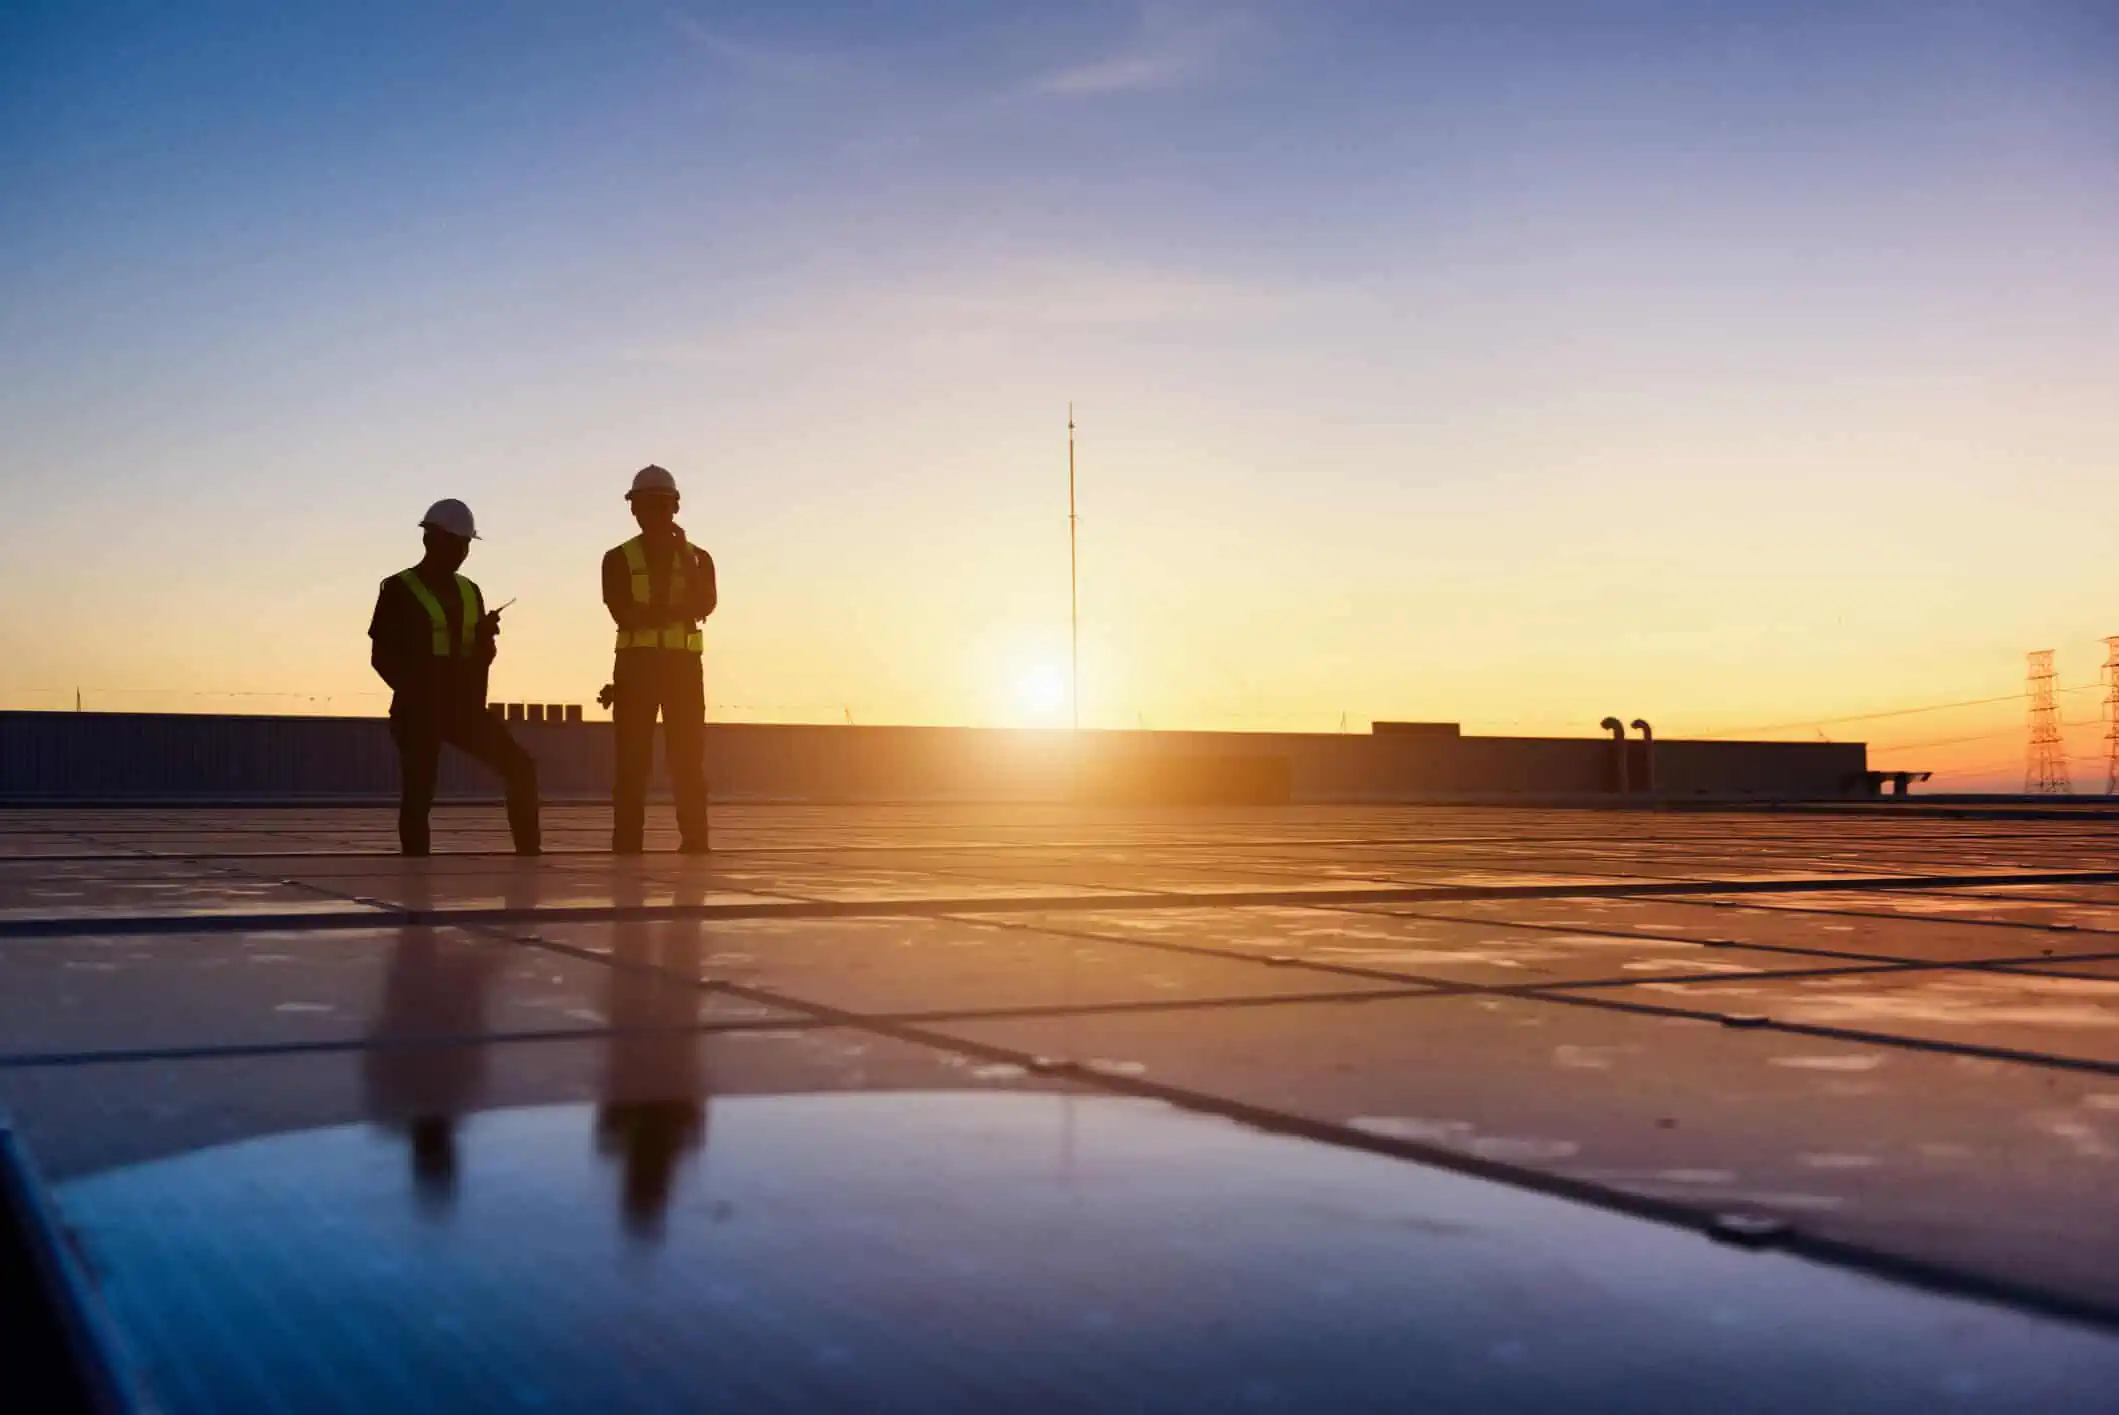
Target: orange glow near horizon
1521, 632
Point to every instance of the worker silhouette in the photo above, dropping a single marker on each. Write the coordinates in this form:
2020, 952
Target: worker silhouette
653, 1112
659, 587
424, 1066
434, 641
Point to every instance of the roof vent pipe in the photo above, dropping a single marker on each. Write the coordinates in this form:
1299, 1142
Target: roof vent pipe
1641, 726
1617, 729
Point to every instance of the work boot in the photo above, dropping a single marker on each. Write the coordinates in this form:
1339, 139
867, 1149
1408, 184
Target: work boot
694, 847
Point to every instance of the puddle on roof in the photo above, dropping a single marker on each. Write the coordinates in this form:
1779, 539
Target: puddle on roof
979, 1252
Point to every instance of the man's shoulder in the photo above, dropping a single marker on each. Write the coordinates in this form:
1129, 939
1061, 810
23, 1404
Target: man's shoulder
395, 587
392, 601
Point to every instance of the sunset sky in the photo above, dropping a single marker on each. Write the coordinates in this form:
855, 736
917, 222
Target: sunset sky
1736, 366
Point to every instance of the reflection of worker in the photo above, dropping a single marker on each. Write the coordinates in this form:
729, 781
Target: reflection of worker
434, 640
654, 1085
659, 587
423, 1068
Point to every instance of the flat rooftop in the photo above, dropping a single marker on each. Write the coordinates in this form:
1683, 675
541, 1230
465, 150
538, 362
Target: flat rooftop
1044, 1108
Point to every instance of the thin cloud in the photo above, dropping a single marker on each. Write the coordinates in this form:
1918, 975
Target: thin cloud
1095, 296
761, 63
990, 310
1173, 45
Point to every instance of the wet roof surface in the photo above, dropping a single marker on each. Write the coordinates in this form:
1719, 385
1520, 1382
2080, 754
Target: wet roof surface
924, 1108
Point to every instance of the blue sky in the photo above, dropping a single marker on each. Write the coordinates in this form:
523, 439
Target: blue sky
1507, 362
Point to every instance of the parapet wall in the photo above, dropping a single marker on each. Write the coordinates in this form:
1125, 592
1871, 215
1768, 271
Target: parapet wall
153, 757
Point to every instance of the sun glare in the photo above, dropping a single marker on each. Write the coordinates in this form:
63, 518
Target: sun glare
1041, 693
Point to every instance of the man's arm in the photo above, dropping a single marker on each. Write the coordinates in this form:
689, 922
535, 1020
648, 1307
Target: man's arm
386, 653
705, 592
618, 590
487, 629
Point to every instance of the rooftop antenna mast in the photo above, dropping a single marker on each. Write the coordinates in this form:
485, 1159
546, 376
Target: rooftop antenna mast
1074, 700
1074, 597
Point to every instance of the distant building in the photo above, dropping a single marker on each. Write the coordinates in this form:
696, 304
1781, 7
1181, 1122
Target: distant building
150, 757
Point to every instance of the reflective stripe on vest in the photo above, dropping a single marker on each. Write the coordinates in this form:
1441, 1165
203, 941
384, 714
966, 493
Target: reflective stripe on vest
438, 618
682, 636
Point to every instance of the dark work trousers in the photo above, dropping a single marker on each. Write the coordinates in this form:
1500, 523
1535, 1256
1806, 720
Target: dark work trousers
420, 729
673, 683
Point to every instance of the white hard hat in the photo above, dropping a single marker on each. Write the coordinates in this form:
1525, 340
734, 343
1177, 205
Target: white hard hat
451, 515
654, 481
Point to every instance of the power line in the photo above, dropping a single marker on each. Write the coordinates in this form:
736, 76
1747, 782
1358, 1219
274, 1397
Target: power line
1975, 737
1876, 747
1892, 712
1998, 767
1864, 716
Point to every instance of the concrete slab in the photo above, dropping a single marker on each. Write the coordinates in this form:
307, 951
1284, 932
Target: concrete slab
1415, 949
1233, 871
1980, 904
90, 995
2017, 1010
505, 884
907, 966
811, 876
81, 1120
851, 882
1983, 1167
115, 889
1807, 936
2077, 893
2105, 966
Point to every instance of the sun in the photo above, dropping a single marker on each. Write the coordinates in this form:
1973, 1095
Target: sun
1041, 692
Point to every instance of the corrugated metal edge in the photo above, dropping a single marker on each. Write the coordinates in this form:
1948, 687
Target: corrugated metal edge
113, 1383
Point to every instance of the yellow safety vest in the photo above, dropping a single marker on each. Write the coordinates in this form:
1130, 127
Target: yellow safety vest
683, 635
439, 618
